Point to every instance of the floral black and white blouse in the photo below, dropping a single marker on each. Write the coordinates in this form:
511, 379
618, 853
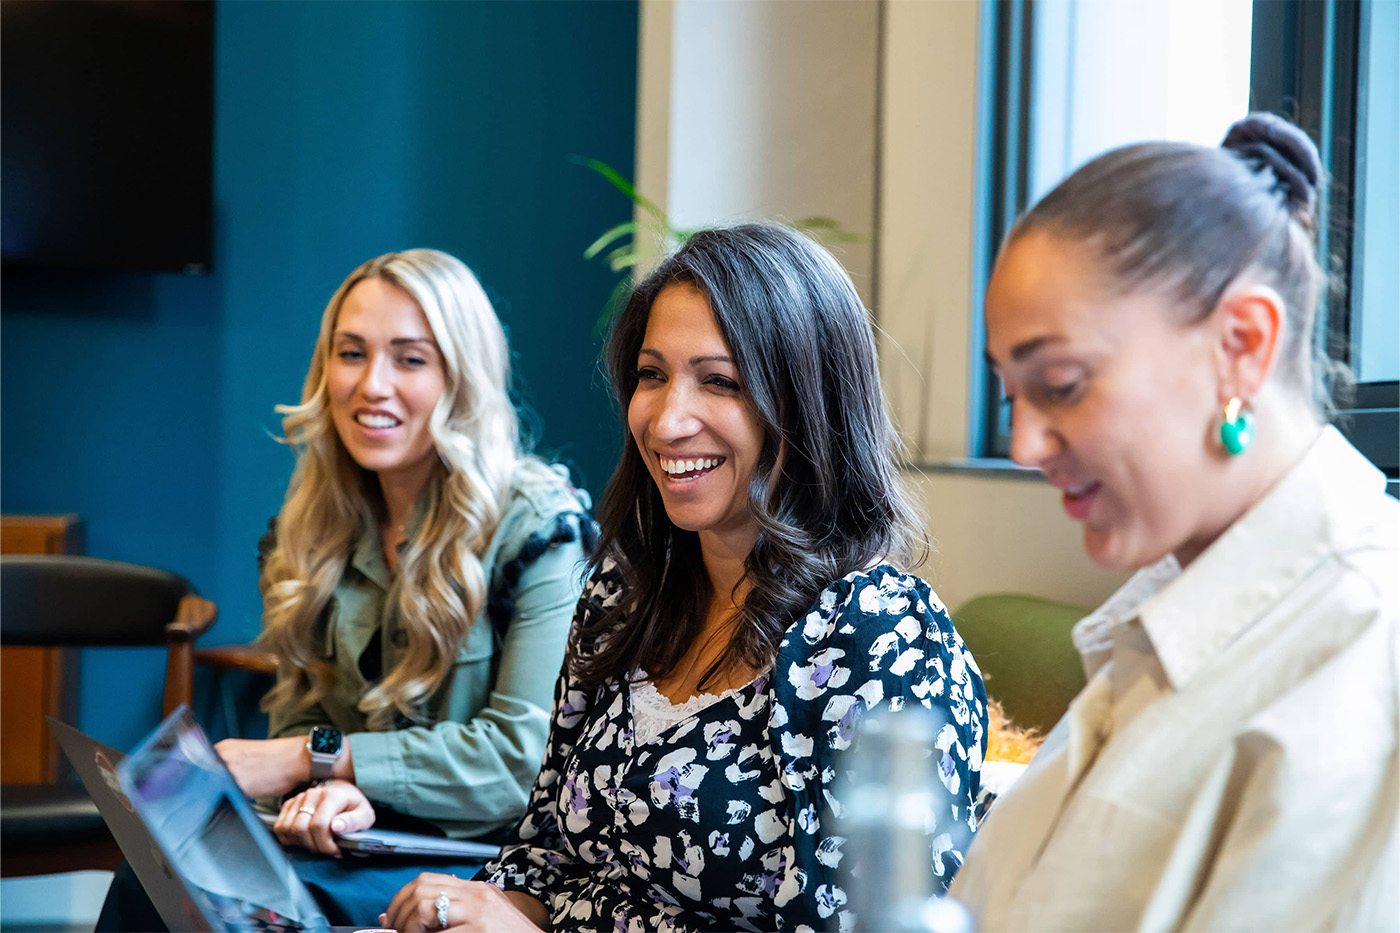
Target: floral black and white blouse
728, 819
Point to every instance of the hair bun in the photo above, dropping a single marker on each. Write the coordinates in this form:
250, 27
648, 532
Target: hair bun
1269, 141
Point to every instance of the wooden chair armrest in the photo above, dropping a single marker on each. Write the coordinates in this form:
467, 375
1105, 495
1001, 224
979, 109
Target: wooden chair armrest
237, 658
193, 617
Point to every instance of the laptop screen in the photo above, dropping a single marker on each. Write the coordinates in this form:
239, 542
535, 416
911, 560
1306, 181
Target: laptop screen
210, 834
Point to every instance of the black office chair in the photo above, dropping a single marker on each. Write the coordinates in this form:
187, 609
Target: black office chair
82, 602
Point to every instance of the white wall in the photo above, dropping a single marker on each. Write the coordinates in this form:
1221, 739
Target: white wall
929, 120
1005, 535
761, 110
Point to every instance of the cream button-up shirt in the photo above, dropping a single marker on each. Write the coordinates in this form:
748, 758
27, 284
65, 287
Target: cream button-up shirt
1232, 762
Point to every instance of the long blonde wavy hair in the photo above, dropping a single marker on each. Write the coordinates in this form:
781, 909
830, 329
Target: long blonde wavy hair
332, 501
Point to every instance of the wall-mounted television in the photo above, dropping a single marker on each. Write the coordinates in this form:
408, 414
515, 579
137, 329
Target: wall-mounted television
107, 134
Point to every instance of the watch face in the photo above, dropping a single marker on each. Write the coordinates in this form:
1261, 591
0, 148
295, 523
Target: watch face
326, 741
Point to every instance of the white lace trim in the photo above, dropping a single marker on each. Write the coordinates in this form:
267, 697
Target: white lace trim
653, 713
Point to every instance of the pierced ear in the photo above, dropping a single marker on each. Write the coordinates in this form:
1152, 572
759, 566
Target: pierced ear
1251, 322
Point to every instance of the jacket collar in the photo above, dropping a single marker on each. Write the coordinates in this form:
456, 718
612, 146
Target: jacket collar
368, 556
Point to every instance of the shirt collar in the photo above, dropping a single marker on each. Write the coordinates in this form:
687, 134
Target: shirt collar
368, 556
1310, 512
1093, 634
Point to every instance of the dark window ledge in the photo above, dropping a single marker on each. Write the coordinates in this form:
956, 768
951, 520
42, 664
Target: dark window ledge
983, 467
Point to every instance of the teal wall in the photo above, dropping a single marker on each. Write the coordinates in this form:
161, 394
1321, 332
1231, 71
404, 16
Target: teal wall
343, 130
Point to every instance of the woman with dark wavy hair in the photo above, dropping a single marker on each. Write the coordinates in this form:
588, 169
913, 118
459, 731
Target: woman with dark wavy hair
747, 607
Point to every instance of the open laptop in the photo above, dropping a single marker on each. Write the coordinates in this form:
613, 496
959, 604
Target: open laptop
190, 835
196, 843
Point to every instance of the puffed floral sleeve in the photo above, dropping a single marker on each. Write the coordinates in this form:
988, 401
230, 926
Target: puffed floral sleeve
536, 858
875, 640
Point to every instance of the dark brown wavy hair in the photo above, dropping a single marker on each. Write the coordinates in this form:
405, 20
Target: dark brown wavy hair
825, 493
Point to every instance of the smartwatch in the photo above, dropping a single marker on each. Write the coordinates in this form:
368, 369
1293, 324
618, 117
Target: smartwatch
325, 745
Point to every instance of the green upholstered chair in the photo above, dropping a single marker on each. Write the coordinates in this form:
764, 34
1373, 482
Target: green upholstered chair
1023, 648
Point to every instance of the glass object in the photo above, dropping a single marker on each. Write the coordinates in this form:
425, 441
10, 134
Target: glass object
896, 849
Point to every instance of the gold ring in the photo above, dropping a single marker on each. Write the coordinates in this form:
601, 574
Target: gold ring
307, 810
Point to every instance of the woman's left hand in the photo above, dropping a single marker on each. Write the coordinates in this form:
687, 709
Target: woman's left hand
472, 906
313, 818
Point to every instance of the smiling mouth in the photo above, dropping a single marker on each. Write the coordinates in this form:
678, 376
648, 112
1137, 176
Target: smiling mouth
1078, 500
375, 421
684, 471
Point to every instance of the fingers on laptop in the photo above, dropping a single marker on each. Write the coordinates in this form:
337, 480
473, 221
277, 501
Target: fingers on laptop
313, 818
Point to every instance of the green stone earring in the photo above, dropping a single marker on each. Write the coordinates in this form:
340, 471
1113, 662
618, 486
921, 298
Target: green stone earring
1237, 428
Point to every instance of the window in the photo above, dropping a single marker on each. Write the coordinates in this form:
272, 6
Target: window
1076, 78
1331, 66
1375, 318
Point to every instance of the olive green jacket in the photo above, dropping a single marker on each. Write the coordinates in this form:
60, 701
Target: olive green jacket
470, 771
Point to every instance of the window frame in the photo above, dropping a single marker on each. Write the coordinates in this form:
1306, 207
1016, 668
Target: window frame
1004, 132
1305, 65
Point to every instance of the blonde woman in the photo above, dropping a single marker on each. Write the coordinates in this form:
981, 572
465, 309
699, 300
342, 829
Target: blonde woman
418, 584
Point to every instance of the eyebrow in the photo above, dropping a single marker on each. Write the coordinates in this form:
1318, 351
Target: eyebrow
396, 342
694, 360
1030, 347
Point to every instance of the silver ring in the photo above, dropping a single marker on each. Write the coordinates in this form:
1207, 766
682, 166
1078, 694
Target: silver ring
442, 904
311, 811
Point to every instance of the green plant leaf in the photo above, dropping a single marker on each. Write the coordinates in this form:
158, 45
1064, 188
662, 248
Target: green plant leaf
621, 229
624, 257
623, 185
827, 229
627, 255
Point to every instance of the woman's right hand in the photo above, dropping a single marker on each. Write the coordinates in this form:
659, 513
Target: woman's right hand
313, 818
472, 907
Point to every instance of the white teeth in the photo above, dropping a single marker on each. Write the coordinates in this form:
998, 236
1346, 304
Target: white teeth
376, 421
688, 466
1078, 490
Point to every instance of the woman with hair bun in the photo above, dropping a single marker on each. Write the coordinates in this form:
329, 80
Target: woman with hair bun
417, 587
748, 606
1232, 761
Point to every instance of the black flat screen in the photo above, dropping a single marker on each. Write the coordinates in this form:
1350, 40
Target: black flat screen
108, 125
